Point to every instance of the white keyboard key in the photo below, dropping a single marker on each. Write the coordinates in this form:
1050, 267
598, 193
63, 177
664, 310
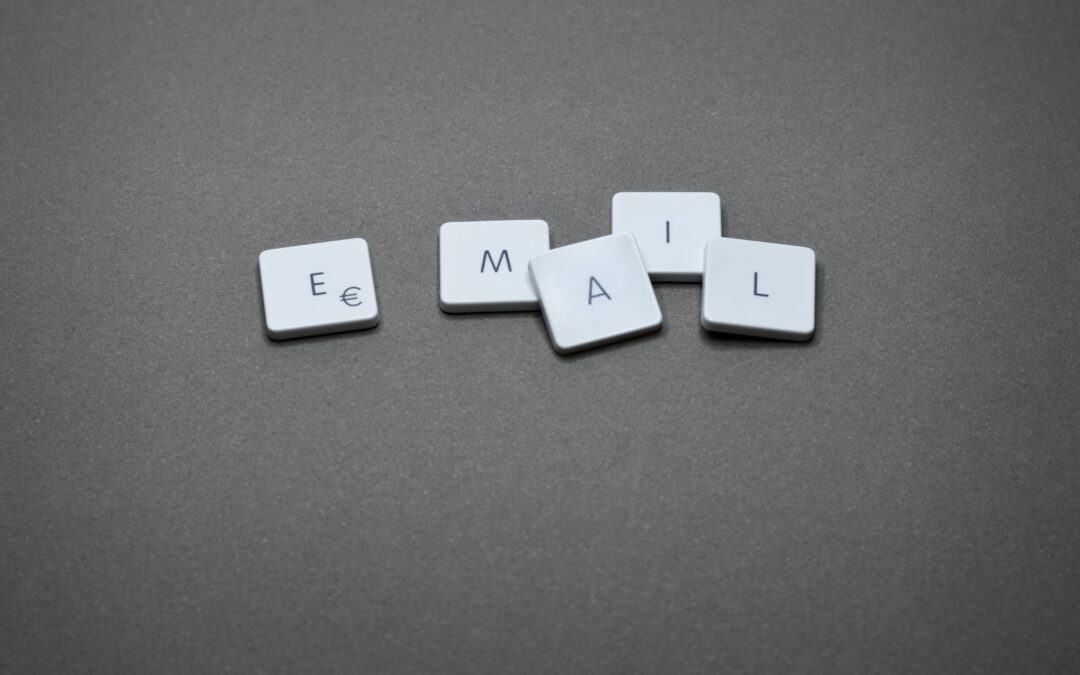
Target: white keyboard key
757, 288
318, 288
671, 229
484, 265
595, 292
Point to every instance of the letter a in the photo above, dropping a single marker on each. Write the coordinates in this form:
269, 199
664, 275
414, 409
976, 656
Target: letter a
496, 265
593, 283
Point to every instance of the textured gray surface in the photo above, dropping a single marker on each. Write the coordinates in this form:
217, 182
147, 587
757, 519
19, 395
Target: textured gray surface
446, 493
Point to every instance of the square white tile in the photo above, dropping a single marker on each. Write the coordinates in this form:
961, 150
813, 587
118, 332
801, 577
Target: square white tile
484, 265
671, 229
318, 288
595, 292
758, 288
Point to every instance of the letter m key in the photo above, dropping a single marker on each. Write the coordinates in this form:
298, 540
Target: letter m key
495, 265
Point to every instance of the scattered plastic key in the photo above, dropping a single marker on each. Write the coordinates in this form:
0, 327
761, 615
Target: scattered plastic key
484, 265
318, 288
595, 292
757, 288
671, 229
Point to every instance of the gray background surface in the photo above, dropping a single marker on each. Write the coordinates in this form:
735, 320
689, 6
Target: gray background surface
177, 493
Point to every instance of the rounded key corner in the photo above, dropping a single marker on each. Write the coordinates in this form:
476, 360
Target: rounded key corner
803, 335
657, 322
565, 350
451, 307
368, 324
715, 326
803, 250
275, 334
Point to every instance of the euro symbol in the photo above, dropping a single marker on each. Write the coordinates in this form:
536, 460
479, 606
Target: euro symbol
351, 296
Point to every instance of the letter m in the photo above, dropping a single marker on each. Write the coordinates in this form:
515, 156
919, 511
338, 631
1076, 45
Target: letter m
496, 265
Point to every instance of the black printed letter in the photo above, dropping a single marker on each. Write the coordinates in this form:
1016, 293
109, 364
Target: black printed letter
761, 295
593, 283
495, 265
